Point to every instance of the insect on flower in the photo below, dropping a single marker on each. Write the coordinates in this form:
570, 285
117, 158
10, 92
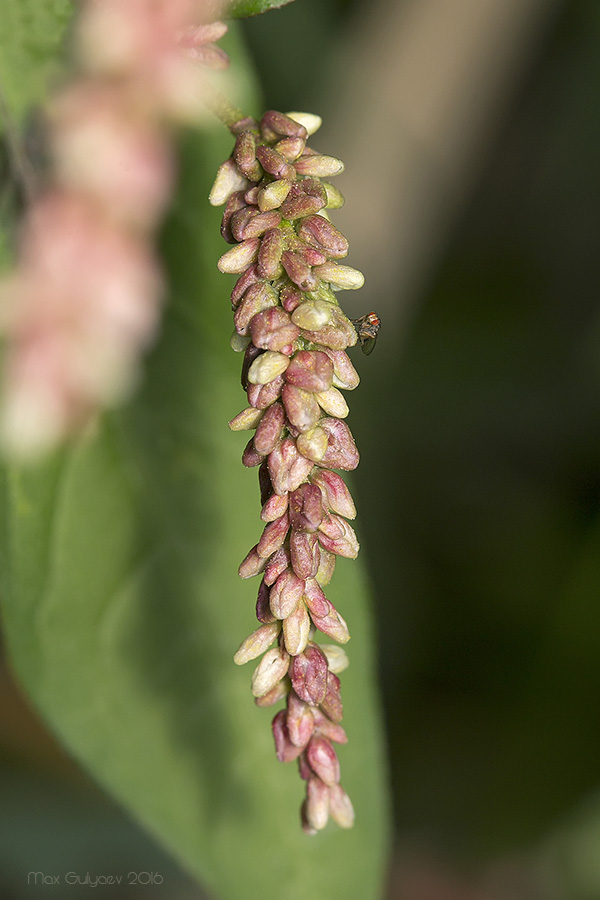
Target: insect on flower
367, 328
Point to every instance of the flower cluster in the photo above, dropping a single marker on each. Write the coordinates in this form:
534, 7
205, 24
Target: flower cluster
294, 334
86, 297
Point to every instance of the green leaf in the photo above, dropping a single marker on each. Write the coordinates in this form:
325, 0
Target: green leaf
240, 9
31, 36
122, 607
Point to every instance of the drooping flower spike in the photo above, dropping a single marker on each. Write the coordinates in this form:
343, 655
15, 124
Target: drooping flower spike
294, 336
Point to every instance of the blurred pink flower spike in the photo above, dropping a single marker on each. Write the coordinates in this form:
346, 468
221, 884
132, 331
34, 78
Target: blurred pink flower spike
85, 301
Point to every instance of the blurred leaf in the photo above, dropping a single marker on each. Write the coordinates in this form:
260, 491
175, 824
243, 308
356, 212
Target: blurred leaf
123, 607
31, 36
241, 8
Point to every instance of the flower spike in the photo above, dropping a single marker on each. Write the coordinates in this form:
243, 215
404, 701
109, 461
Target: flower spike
287, 252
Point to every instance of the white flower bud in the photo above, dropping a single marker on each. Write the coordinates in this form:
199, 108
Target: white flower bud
270, 670
333, 402
312, 316
344, 277
311, 121
313, 444
256, 643
228, 181
267, 367
337, 658
247, 419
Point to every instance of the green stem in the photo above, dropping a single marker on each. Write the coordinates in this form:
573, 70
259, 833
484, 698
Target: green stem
224, 110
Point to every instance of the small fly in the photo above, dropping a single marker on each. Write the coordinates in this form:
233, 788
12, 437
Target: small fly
367, 328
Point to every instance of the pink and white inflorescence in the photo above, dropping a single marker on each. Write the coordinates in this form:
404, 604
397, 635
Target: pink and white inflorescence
294, 336
85, 300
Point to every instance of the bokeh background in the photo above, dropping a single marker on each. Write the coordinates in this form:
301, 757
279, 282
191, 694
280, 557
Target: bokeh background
470, 130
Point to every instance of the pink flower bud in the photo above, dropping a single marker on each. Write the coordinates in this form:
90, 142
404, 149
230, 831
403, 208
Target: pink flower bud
259, 641
288, 468
271, 669
296, 630
251, 565
257, 298
309, 255
274, 163
333, 626
299, 272
345, 544
341, 451
306, 508
273, 536
336, 495
322, 235
301, 408
250, 276
261, 223
305, 198
244, 154
262, 395
300, 720
277, 693
304, 770
304, 551
235, 203
286, 751
274, 507
290, 148
317, 803
263, 609
311, 370
290, 297
333, 731
340, 807
308, 673
345, 375
269, 429
239, 257
273, 124
269, 255
332, 704
315, 599
240, 219
285, 594
273, 329
277, 564
331, 526
251, 457
322, 759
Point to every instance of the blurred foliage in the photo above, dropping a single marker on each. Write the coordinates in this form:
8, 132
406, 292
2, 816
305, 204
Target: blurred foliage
240, 8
